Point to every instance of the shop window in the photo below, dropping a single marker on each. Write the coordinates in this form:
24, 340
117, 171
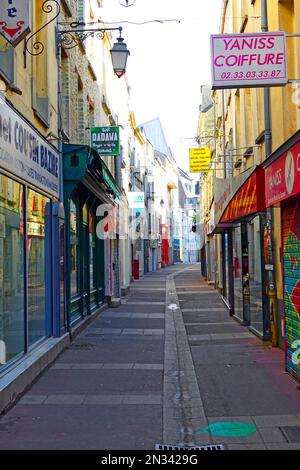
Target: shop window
12, 308
7, 61
74, 249
92, 246
36, 252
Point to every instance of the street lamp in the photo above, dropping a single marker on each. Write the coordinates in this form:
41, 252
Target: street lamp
119, 56
73, 34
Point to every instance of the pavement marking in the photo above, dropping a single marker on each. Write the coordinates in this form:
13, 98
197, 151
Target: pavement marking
155, 289
229, 429
107, 366
145, 303
91, 400
124, 331
208, 323
214, 309
189, 292
218, 336
153, 316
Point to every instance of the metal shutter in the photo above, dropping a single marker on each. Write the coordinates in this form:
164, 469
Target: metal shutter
291, 279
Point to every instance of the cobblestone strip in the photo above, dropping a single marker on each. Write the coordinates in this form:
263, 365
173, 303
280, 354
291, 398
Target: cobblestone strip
182, 404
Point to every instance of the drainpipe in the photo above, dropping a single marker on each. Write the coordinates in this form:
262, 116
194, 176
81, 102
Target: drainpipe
270, 277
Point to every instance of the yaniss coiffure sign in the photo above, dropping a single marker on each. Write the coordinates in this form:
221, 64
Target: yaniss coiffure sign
249, 60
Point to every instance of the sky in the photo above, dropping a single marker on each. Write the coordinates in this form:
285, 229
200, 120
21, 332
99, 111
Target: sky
168, 62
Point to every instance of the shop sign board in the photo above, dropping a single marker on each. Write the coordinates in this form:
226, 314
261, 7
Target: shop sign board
14, 20
282, 178
106, 140
199, 159
136, 200
248, 60
25, 153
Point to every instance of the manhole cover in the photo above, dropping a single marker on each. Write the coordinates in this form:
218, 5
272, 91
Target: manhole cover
291, 433
174, 447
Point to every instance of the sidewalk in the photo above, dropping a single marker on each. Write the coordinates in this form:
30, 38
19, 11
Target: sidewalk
145, 374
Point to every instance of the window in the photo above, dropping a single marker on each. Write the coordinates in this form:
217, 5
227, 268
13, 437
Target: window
12, 308
37, 262
65, 92
74, 249
80, 112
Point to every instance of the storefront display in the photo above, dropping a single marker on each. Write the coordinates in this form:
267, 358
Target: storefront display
29, 186
240, 207
283, 191
91, 259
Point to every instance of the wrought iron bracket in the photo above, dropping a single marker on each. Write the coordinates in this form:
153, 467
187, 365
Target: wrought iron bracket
73, 36
37, 47
70, 38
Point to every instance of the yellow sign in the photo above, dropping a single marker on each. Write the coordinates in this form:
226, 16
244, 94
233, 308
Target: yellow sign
199, 159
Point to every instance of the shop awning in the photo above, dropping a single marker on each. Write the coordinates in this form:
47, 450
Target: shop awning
83, 164
245, 200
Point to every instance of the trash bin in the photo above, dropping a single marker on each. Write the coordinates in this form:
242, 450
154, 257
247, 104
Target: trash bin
136, 269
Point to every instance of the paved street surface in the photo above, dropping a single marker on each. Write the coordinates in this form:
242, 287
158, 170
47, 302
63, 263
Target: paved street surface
161, 368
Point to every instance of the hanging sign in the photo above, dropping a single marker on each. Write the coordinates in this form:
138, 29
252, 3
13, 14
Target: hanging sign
199, 159
136, 200
248, 60
106, 140
14, 20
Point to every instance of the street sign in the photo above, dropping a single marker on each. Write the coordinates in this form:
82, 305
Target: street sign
248, 60
106, 140
199, 159
136, 200
14, 20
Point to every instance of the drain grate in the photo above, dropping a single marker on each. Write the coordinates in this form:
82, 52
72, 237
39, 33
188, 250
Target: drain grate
174, 447
291, 433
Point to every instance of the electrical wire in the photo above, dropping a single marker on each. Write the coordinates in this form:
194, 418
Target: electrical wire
75, 24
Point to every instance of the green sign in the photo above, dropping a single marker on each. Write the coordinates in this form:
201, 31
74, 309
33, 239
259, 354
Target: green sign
106, 140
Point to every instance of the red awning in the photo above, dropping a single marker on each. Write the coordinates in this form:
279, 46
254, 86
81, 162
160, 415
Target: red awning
249, 199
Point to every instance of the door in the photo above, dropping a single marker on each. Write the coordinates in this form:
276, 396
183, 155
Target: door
291, 282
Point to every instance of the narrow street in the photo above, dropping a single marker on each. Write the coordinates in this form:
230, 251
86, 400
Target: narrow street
160, 369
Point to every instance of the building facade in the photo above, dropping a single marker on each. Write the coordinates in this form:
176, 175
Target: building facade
254, 240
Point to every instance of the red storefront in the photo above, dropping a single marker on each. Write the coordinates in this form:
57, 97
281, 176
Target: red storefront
282, 180
165, 246
242, 226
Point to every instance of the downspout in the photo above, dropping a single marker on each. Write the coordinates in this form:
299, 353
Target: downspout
270, 282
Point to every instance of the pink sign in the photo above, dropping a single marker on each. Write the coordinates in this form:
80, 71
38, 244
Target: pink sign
282, 178
248, 60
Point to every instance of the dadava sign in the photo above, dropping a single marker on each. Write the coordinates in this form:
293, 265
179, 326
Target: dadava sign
249, 60
106, 140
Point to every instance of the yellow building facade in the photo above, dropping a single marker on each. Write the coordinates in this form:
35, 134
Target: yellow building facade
241, 148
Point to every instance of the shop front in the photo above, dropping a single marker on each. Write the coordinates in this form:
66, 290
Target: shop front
91, 199
282, 179
240, 216
30, 303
